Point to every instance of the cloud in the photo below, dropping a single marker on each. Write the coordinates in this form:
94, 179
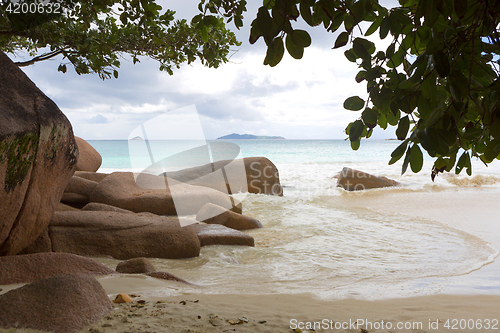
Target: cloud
98, 119
298, 99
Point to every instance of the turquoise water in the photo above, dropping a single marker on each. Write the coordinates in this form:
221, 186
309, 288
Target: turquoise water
116, 153
321, 239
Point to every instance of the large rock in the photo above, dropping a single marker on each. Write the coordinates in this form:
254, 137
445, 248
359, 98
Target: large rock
61, 304
32, 267
259, 175
38, 154
216, 234
214, 214
95, 206
93, 176
156, 195
77, 192
81, 186
119, 235
355, 180
89, 160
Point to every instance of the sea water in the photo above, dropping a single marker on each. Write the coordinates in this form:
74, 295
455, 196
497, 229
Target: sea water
321, 239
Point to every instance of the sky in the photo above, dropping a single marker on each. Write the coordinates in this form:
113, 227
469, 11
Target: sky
297, 99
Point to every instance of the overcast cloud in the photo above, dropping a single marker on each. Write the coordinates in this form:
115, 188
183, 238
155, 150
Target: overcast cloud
298, 99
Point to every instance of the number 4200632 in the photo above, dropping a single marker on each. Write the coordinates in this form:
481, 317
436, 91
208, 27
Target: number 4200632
34, 8
471, 324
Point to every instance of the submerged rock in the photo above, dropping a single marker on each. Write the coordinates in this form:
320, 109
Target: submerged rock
216, 234
135, 266
355, 180
38, 155
214, 214
166, 276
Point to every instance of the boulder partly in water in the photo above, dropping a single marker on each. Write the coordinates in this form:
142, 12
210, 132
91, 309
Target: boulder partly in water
355, 180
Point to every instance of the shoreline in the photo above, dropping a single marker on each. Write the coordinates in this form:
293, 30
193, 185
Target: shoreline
470, 299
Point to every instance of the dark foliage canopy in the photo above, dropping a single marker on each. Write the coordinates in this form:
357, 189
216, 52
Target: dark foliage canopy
437, 82
93, 35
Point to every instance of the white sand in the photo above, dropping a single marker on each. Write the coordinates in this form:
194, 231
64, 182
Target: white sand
465, 304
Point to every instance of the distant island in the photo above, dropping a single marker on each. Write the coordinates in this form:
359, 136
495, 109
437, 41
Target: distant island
137, 138
235, 136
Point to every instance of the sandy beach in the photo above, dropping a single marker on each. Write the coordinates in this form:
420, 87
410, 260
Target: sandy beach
465, 303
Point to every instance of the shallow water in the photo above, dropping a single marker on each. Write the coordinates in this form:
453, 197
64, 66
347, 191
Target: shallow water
320, 239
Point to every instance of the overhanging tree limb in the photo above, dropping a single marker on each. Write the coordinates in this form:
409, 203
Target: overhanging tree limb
42, 57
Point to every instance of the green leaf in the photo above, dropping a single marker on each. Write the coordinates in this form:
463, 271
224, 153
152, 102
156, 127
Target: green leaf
463, 161
355, 144
384, 27
356, 130
398, 152
374, 26
115, 74
360, 76
369, 117
350, 55
428, 87
301, 38
406, 162
275, 52
342, 40
305, 12
416, 158
441, 63
460, 7
354, 103
62, 68
293, 49
403, 127
204, 34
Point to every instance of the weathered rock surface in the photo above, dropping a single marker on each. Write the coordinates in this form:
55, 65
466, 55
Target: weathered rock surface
166, 276
154, 194
355, 180
216, 234
95, 206
61, 304
65, 208
214, 214
32, 267
135, 266
250, 174
81, 186
93, 176
38, 154
77, 192
89, 159
119, 235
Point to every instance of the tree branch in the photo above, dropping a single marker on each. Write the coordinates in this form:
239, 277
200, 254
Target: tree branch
39, 58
